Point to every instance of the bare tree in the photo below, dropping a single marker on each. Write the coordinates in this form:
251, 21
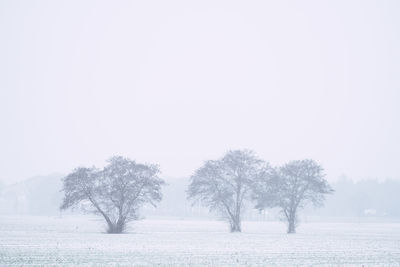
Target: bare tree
290, 188
224, 184
116, 192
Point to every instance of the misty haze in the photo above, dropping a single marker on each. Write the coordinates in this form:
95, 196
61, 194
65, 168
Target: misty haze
199, 133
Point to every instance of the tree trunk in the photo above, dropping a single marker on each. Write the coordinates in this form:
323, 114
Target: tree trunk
236, 220
291, 226
116, 228
113, 228
236, 226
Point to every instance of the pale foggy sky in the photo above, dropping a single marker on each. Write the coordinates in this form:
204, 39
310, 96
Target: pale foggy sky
179, 82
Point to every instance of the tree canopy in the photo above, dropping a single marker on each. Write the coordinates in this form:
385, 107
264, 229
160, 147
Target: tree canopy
290, 188
224, 184
116, 192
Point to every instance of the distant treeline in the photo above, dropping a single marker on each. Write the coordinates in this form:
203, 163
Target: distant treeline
361, 199
364, 198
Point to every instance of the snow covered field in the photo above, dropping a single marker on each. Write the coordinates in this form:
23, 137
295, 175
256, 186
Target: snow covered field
39, 241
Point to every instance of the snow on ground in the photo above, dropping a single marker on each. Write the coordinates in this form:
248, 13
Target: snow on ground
40, 241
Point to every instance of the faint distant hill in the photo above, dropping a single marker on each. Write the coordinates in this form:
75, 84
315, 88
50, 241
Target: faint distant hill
39, 195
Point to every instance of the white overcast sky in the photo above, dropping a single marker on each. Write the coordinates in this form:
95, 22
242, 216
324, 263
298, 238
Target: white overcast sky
180, 82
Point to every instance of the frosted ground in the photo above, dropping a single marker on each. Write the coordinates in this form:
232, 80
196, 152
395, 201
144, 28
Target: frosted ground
39, 241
